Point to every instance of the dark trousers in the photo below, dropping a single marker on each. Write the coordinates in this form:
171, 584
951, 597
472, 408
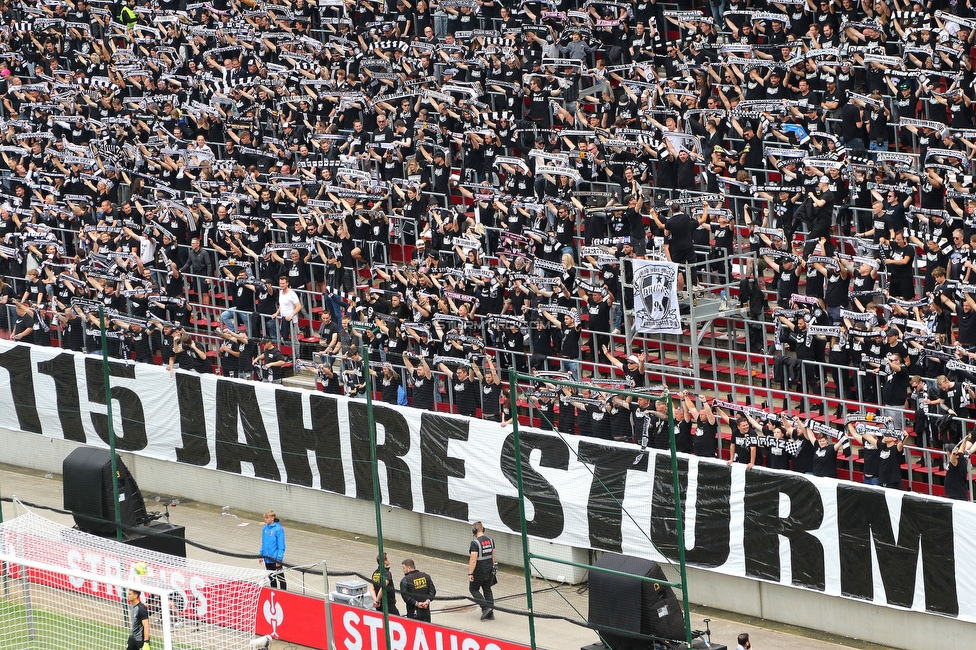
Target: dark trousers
420, 614
482, 581
391, 608
277, 576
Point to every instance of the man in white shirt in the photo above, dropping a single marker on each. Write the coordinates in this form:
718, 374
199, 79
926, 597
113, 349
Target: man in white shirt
743, 642
289, 308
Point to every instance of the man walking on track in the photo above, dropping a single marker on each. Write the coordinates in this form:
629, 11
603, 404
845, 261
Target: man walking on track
481, 574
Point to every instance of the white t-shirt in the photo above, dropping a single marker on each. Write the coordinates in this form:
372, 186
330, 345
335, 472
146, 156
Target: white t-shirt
287, 303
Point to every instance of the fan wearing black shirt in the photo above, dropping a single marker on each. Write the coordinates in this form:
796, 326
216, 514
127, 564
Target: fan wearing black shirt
952, 397
422, 382
138, 341
592, 416
744, 448
72, 330
598, 311
108, 294
267, 304
957, 471
190, 356
966, 314
491, 389
389, 383
247, 350
569, 342
633, 370
787, 277
824, 453
353, 372
243, 301
23, 327
892, 455
901, 268
823, 211
328, 380
567, 412
440, 172
329, 339
660, 435
779, 458
544, 408
705, 440
682, 427
464, 390
837, 293
679, 241
644, 416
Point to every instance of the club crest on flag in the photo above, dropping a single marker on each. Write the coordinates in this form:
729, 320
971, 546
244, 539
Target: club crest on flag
656, 297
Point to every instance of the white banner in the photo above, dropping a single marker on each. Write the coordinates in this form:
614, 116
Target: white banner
844, 539
656, 297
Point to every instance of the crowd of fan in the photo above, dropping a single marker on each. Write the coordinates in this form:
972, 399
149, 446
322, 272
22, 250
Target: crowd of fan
160, 154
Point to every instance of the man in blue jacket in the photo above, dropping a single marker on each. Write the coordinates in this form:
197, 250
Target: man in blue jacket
273, 549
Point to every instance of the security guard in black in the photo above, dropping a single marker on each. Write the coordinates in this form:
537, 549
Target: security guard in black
417, 589
381, 586
481, 576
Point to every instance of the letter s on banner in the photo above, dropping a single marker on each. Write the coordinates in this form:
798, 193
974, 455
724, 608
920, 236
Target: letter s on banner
354, 640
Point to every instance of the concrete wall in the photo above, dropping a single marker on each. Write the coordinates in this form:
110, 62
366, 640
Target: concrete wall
842, 616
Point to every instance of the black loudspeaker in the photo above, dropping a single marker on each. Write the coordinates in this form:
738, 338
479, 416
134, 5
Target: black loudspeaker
625, 611
158, 536
88, 492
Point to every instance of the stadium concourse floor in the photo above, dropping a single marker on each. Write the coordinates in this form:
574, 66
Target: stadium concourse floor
308, 545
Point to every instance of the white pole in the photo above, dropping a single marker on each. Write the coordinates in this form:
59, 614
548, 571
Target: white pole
164, 603
83, 575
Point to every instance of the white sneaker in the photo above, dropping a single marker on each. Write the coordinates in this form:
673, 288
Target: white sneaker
615, 331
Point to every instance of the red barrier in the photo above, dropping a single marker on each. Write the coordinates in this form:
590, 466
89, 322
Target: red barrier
301, 619
292, 617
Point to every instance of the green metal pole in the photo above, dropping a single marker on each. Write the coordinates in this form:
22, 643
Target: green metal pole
377, 496
679, 522
111, 425
521, 501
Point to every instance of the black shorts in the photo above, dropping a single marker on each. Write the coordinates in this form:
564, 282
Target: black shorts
684, 257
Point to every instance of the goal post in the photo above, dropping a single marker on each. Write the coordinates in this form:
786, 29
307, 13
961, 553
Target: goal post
58, 607
63, 589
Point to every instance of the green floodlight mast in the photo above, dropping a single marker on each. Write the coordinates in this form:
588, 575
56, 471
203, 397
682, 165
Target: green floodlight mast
527, 556
377, 495
106, 377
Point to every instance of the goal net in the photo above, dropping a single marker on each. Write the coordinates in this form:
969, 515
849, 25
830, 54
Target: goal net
62, 589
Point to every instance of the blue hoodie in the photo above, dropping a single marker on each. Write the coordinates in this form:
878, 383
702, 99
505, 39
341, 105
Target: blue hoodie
273, 541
